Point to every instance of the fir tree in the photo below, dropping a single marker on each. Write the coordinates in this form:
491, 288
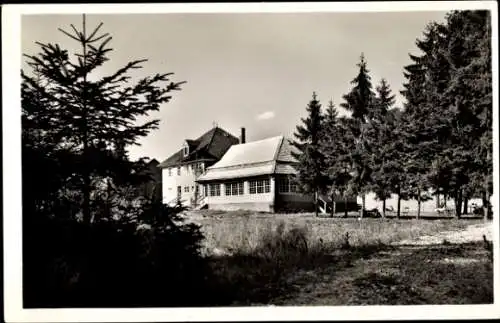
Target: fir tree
448, 108
360, 102
74, 135
333, 142
92, 118
309, 155
382, 130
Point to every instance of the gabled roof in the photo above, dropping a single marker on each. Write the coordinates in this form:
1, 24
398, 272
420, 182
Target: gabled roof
263, 157
210, 146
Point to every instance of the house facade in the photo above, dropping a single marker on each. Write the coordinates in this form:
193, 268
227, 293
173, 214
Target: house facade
255, 176
181, 170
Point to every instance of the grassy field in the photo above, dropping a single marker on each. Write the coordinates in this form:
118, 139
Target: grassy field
261, 259
228, 232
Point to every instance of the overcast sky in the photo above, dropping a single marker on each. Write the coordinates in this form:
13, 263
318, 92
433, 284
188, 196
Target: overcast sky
245, 70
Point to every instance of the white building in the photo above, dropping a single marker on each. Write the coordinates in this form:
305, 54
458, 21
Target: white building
256, 176
181, 169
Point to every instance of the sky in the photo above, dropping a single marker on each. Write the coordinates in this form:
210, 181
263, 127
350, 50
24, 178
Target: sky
256, 71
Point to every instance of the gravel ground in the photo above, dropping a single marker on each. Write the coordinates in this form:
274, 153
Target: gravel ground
472, 233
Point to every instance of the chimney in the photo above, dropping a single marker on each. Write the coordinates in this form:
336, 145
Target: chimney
242, 136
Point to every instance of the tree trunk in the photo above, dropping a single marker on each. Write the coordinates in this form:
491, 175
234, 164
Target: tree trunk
445, 197
398, 214
316, 203
458, 203
86, 171
383, 207
363, 203
333, 205
466, 206
485, 205
419, 202
345, 205
438, 205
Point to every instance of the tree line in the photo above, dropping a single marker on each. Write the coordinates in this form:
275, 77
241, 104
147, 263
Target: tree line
439, 142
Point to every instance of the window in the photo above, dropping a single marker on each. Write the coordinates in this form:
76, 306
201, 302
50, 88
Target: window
287, 185
198, 168
284, 185
170, 172
234, 188
185, 149
214, 189
186, 189
178, 171
260, 186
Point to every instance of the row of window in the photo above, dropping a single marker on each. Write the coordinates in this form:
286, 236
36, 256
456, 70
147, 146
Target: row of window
186, 189
285, 185
237, 188
196, 168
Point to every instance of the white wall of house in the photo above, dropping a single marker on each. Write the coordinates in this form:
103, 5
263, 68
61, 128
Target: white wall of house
171, 180
427, 206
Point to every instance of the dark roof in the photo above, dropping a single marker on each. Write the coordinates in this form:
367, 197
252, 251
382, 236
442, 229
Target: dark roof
210, 146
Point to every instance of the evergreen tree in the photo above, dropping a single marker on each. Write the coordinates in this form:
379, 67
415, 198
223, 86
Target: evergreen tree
425, 126
360, 102
74, 135
333, 146
448, 108
468, 96
92, 118
309, 155
382, 127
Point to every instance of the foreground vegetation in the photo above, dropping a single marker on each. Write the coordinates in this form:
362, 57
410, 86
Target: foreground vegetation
311, 261
226, 232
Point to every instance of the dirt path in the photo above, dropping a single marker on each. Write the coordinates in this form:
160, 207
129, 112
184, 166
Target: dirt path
470, 234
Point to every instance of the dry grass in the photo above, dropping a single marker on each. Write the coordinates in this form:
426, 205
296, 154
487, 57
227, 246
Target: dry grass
297, 259
400, 276
241, 231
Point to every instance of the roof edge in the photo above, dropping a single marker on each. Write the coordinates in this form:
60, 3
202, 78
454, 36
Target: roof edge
277, 152
239, 165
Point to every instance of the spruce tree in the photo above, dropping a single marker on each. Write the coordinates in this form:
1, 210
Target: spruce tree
309, 155
382, 128
425, 126
360, 102
75, 131
448, 108
92, 118
332, 144
468, 96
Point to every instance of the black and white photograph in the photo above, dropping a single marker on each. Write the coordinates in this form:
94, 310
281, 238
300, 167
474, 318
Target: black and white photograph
250, 161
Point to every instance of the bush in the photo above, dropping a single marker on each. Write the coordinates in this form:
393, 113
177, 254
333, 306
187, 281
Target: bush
113, 263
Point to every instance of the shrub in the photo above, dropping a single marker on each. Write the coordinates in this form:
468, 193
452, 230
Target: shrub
113, 263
